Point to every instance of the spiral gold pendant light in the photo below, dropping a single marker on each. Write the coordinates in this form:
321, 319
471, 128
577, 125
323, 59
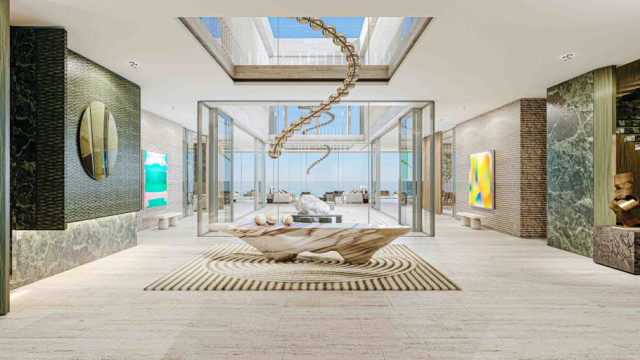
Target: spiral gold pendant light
353, 60
317, 127
319, 160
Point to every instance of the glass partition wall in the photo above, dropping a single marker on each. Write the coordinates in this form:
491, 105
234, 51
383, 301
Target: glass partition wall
365, 160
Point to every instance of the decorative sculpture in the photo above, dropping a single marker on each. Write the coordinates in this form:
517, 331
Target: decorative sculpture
353, 60
260, 219
287, 220
624, 201
319, 160
98, 148
311, 205
356, 243
272, 219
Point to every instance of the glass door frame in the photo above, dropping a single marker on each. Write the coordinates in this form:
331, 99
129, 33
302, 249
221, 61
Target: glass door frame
213, 166
417, 116
427, 118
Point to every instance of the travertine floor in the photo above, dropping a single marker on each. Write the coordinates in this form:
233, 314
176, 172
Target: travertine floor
520, 299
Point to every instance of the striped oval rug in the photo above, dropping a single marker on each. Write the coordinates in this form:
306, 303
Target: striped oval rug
241, 267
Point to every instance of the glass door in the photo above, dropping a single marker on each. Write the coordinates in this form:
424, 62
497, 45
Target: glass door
260, 154
224, 170
375, 174
390, 183
406, 170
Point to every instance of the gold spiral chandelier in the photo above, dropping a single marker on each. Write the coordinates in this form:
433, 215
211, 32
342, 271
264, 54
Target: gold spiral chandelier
353, 60
317, 127
328, 151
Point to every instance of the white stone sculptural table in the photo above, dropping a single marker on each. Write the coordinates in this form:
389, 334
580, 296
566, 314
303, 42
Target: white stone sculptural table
356, 243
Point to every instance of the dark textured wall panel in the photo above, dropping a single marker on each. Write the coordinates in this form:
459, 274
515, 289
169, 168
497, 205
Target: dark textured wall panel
50, 135
166, 137
570, 171
37, 128
87, 198
23, 128
533, 169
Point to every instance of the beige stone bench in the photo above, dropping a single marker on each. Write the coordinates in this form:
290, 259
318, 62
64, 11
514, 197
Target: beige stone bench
168, 219
470, 219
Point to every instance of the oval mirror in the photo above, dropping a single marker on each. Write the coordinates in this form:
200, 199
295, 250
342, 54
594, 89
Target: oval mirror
98, 141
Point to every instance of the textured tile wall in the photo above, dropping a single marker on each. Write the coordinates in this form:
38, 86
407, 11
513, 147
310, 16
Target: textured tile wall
498, 130
570, 182
50, 102
517, 134
40, 254
162, 135
86, 198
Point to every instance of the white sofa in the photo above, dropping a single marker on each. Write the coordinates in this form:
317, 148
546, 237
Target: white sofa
282, 198
353, 198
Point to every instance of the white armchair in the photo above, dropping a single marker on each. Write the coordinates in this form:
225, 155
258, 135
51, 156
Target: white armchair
282, 198
353, 198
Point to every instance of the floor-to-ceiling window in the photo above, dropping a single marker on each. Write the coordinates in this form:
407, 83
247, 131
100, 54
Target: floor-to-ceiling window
260, 153
362, 157
390, 193
244, 171
405, 197
224, 165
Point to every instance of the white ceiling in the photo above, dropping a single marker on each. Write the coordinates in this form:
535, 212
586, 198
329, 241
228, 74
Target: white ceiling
476, 55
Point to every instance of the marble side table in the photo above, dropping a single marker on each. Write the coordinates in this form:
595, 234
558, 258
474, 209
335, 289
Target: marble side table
617, 247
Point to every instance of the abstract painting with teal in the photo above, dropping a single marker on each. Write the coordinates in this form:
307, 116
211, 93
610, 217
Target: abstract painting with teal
155, 179
481, 180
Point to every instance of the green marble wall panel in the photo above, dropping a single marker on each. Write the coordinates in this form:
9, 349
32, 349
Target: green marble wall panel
40, 254
570, 182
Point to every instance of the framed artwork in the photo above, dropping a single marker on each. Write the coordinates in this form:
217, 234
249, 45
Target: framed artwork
155, 179
481, 180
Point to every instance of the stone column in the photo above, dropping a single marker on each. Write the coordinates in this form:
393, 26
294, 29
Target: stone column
5, 232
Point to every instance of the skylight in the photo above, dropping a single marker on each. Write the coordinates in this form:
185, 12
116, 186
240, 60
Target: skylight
281, 49
289, 28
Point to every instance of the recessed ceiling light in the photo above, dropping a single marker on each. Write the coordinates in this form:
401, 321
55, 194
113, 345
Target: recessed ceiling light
567, 57
133, 64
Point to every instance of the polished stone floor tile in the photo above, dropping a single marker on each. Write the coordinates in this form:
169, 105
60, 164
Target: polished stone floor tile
520, 299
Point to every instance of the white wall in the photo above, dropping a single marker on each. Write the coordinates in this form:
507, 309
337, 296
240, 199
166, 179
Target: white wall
164, 136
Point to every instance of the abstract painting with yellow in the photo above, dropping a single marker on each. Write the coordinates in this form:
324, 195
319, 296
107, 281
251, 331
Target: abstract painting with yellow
481, 180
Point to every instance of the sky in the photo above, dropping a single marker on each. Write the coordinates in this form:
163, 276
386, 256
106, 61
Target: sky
285, 28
